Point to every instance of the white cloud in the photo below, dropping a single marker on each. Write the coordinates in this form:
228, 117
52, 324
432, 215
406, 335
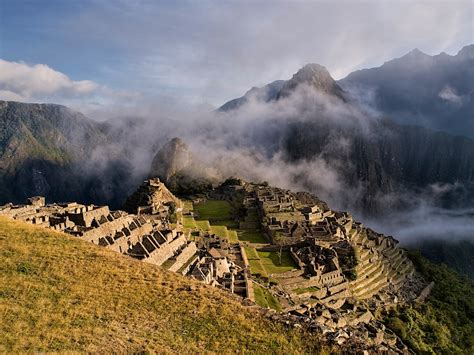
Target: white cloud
8, 95
40, 83
449, 94
215, 51
36, 82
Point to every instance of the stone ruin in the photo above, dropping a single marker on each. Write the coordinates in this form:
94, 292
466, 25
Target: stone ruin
340, 265
345, 271
146, 235
152, 198
318, 239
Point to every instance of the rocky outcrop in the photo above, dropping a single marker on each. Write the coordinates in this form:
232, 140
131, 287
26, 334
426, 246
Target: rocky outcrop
172, 158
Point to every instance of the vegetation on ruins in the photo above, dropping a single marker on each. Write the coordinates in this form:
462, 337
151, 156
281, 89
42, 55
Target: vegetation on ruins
182, 185
232, 181
62, 294
444, 323
265, 299
172, 211
348, 264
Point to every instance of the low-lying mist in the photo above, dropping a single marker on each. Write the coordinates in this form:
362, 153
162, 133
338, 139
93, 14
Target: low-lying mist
253, 143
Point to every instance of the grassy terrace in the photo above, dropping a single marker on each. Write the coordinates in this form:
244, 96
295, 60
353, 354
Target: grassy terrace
271, 261
265, 299
218, 217
252, 236
301, 290
217, 212
188, 222
264, 263
61, 294
256, 267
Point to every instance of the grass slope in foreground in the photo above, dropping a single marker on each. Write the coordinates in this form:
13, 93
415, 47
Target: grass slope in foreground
58, 293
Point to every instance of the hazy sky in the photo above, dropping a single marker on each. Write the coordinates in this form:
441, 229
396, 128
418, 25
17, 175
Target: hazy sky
86, 52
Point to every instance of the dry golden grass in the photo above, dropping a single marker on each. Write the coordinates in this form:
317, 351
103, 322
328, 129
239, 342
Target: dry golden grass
58, 293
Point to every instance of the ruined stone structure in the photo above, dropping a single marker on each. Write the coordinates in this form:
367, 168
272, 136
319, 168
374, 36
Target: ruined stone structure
344, 271
321, 242
340, 266
152, 198
146, 235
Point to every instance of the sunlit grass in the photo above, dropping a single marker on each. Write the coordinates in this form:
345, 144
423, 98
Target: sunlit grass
214, 210
61, 294
265, 299
252, 236
271, 261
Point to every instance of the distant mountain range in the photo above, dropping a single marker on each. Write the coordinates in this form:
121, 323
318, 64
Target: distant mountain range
382, 156
431, 91
417, 89
51, 150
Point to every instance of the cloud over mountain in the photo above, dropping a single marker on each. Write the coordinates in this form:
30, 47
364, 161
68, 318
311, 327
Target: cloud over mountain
39, 81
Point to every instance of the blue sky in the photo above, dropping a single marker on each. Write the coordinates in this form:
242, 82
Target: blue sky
206, 52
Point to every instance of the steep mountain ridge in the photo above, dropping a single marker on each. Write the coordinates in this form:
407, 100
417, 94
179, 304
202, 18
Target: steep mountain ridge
313, 76
431, 91
266, 93
51, 150
382, 163
396, 161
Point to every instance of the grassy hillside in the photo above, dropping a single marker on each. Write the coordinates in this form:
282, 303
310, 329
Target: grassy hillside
58, 293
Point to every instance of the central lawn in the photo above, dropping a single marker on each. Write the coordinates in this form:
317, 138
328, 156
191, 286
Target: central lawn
216, 216
221, 231
271, 261
300, 290
252, 236
256, 268
232, 236
251, 253
188, 205
203, 225
214, 210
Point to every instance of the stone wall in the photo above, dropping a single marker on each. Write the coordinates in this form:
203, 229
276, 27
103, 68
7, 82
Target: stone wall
165, 251
186, 253
85, 218
107, 229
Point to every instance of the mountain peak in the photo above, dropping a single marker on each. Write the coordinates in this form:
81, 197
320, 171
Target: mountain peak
313, 75
416, 53
467, 51
311, 70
